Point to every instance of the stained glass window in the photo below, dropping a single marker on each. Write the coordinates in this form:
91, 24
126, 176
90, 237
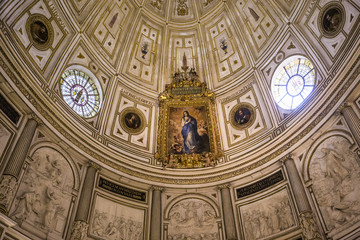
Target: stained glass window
81, 92
292, 82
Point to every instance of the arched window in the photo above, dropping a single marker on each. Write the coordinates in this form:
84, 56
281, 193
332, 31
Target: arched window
81, 92
292, 82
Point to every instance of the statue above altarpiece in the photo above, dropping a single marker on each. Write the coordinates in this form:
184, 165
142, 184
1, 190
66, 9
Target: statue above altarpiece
188, 135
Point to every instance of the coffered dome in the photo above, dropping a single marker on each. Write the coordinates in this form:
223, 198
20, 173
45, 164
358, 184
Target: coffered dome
132, 49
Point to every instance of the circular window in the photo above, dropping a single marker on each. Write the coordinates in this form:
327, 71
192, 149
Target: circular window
81, 92
293, 81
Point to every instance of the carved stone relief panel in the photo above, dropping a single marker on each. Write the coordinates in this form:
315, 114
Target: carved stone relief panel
206, 5
182, 10
83, 9
44, 197
287, 6
335, 174
243, 116
143, 63
109, 25
193, 218
159, 6
130, 121
227, 56
5, 135
40, 32
268, 216
259, 21
116, 220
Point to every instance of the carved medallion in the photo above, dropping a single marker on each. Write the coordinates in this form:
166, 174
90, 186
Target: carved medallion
332, 20
40, 31
132, 120
242, 116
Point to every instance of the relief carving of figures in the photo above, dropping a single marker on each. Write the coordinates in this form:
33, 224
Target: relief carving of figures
44, 194
114, 221
192, 219
79, 230
267, 216
7, 189
309, 226
336, 176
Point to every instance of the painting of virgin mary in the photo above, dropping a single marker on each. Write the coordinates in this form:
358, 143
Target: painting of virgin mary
188, 134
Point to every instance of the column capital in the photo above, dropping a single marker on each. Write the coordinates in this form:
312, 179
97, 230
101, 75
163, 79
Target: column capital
223, 186
33, 116
96, 166
287, 157
343, 106
157, 188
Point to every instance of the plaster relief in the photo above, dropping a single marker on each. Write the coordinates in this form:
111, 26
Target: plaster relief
44, 195
335, 174
267, 216
4, 138
111, 220
192, 219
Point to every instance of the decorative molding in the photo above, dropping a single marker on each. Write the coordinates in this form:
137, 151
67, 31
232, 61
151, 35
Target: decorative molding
80, 230
309, 226
38, 103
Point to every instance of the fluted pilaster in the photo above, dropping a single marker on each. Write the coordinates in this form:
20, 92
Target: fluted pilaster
155, 224
308, 223
228, 213
352, 121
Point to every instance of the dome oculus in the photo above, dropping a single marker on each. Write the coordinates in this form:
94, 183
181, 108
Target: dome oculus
293, 81
81, 92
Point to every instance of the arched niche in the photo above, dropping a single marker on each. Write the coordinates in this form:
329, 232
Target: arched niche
192, 216
46, 192
332, 175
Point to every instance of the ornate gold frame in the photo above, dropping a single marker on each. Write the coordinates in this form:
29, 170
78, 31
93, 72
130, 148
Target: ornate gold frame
187, 91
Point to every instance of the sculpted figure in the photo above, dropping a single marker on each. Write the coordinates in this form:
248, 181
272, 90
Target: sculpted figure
334, 167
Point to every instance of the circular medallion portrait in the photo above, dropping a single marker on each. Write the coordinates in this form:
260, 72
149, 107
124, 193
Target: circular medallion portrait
242, 115
40, 31
332, 20
132, 120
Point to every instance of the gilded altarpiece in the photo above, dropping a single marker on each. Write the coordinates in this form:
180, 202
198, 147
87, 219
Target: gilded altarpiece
187, 135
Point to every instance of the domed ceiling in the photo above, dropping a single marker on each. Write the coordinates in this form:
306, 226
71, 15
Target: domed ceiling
133, 48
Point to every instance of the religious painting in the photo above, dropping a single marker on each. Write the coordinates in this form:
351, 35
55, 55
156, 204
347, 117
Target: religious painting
187, 135
40, 31
242, 115
332, 20
132, 120
188, 130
